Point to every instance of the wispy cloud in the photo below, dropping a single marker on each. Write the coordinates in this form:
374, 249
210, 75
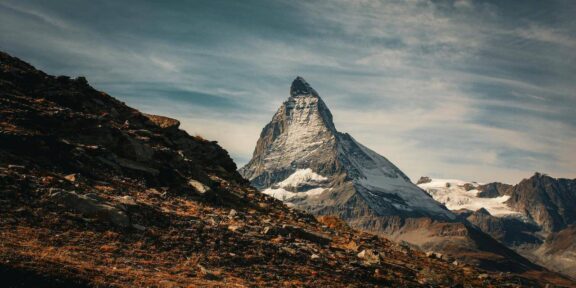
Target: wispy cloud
472, 89
45, 18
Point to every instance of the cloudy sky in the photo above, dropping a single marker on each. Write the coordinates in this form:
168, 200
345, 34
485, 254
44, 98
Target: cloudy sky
476, 90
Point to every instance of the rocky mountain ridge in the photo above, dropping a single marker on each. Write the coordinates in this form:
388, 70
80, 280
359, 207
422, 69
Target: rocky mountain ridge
530, 217
302, 135
302, 159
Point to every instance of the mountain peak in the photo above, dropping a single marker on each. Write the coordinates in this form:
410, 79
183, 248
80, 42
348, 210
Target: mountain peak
300, 87
302, 138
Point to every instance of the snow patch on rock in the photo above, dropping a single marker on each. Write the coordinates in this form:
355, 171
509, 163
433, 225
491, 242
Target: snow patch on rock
302, 176
453, 194
381, 177
285, 190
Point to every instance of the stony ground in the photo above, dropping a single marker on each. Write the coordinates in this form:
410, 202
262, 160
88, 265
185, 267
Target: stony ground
96, 194
180, 241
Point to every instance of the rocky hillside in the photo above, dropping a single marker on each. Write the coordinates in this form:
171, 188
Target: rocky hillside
97, 194
302, 159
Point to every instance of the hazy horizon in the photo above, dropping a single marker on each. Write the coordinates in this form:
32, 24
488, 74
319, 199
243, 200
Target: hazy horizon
474, 90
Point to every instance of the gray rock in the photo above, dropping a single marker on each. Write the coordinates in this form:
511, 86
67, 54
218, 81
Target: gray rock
138, 227
300, 233
199, 186
136, 166
91, 206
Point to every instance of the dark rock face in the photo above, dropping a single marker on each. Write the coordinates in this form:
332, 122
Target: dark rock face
494, 189
61, 120
91, 205
548, 201
509, 230
300, 87
424, 179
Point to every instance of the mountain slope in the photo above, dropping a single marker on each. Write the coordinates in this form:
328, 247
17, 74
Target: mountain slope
534, 217
96, 194
302, 159
302, 136
548, 201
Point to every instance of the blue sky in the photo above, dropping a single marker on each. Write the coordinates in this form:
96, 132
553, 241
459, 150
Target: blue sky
476, 90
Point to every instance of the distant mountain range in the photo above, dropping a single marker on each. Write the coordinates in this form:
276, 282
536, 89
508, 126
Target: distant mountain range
536, 217
301, 159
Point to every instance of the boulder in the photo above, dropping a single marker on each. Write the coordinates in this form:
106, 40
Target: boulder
163, 122
369, 257
138, 227
199, 186
91, 206
304, 234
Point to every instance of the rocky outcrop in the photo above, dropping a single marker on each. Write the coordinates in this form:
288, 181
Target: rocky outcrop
511, 231
91, 205
494, 189
164, 122
549, 202
424, 179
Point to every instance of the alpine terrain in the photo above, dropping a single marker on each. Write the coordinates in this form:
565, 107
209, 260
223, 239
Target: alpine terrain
94, 193
301, 159
536, 217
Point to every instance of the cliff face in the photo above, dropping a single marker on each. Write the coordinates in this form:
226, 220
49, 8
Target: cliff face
511, 231
548, 201
494, 189
298, 137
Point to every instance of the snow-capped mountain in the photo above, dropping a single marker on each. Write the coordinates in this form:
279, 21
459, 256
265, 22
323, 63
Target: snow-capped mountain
303, 160
459, 194
536, 217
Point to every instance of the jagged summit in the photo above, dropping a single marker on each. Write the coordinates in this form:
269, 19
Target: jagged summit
301, 140
300, 87
549, 201
301, 159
